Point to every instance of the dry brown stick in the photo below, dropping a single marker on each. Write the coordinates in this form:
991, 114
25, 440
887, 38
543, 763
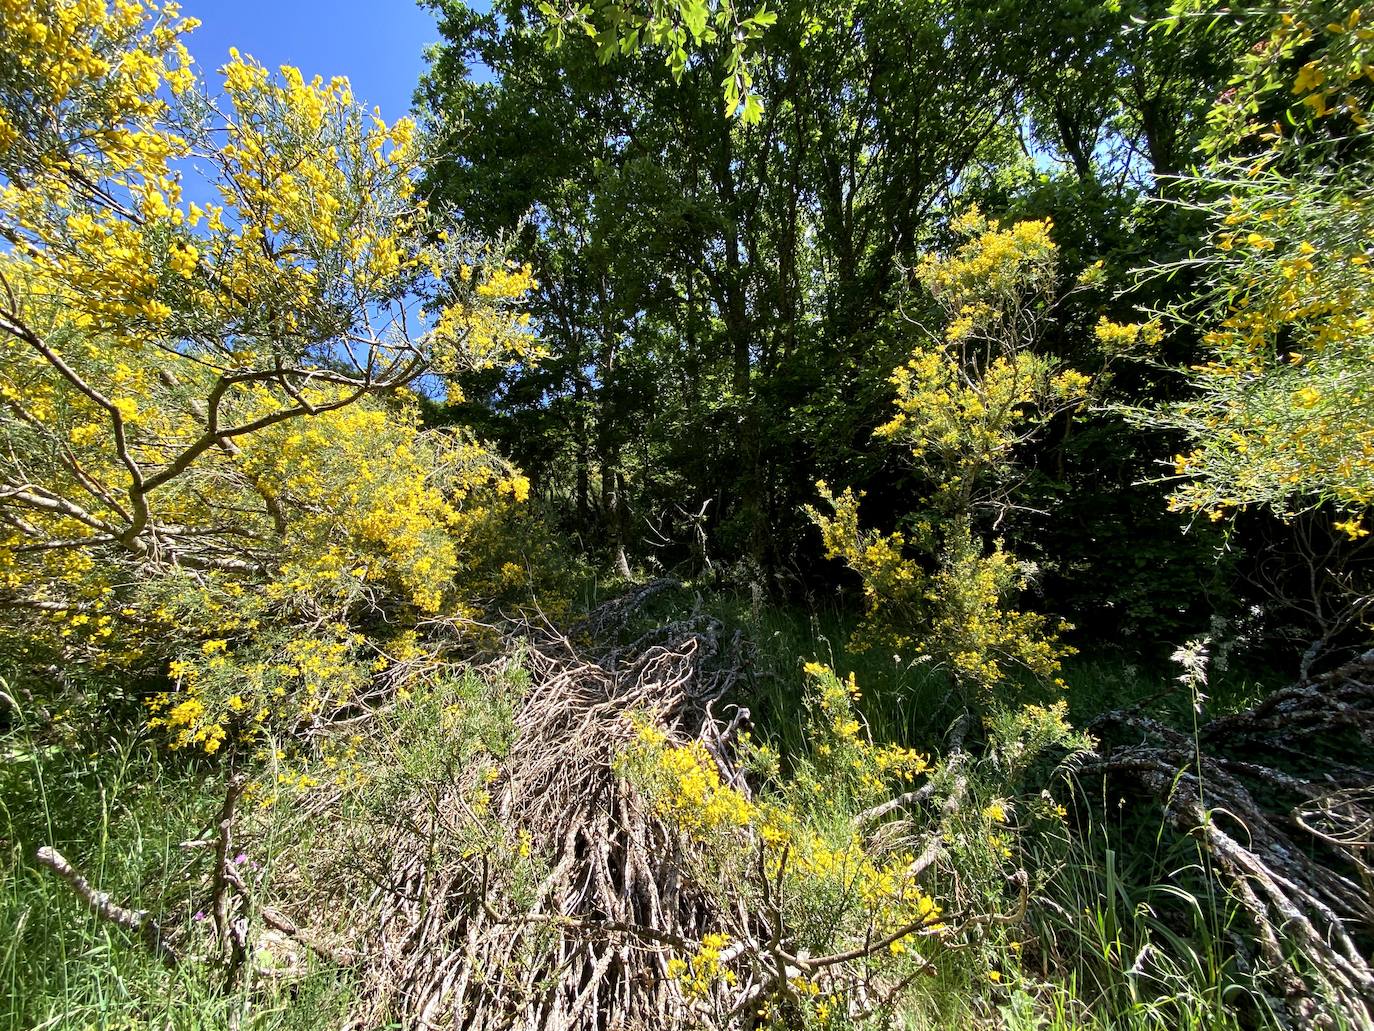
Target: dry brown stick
1278, 887
231, 929
279, 921
877, 812
140, 921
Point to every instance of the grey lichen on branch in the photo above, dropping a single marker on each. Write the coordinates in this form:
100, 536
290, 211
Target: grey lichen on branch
139, 921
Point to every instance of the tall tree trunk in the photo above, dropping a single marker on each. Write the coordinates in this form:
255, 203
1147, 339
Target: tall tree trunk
607, 437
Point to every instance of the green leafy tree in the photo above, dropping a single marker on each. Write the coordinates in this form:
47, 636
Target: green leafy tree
679, 29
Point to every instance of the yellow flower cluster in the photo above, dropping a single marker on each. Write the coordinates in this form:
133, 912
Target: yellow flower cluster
871, 892
90, 71
185, 720
894, 584
992, 271
882, 891
1328, 84
1115, 338
980, 634
959, 425
687, 788
697, 973
398, 496
848, 760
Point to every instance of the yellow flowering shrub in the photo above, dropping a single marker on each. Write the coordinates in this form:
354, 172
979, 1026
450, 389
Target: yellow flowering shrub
838, 888
1282, 408
956, 424
685, 784
844, 759
895, 584
206, 405
1117, 338
965, 402
992, 278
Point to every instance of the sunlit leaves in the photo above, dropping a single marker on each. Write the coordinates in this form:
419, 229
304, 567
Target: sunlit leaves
1282, 410
678, 29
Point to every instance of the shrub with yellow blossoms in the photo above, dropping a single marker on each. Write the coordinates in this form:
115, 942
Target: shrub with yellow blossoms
1282, 410
212, 312
830, 887
966, 400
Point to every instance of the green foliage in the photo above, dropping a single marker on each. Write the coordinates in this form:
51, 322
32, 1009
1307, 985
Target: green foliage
697, 274
1277, 416
674, 26
119, 812
1134, 915
965, 400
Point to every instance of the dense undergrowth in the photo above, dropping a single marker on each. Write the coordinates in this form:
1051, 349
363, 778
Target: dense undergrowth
1124, 927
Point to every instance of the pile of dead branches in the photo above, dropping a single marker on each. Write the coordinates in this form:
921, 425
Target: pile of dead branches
447, 933
437, 926
1282, 797
588, 946
452, 942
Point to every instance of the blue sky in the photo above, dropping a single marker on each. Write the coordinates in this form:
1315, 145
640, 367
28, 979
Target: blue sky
378, 44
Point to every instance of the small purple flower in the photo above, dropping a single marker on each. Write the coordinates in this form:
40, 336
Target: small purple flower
239, 859
199, 916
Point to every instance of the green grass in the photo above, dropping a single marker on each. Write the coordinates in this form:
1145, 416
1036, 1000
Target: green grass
907, 701
118, 811
1101, 684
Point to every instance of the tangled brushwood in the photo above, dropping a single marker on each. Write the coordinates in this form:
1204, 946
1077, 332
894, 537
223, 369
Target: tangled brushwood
556, 842
1282, 797
580, 935
551, 841
535, 879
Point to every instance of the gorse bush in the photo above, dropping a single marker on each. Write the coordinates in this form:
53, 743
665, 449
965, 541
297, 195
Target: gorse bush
215, 468
792, 849
1279, 414
1276, 415
829, 845
967, 400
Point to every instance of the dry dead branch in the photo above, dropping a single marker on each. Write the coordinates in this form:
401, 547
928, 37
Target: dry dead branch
139, 921
1280, 796
588, 946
